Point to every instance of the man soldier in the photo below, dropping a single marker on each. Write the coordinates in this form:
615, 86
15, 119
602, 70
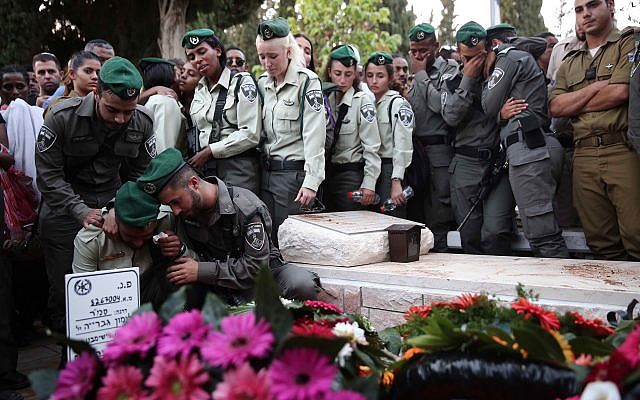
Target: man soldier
592, 88
228, 227
401, 73
236, 60
476, 145
534, 155
79, 152
432, 203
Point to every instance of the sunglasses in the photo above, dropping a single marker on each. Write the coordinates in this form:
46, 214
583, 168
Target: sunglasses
237, 60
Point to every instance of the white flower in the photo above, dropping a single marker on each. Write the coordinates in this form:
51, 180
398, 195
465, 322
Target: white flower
285, 302
344, 353
350, 331
600, 391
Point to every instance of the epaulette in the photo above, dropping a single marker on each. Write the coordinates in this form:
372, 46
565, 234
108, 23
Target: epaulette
572, 53
243, 202
630, 30
309, 73
66, 104
506, 50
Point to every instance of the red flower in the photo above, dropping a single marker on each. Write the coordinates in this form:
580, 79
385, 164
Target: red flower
316, 330
629, 351
419, 311
548, 319
596, 326
465, 301
322, 306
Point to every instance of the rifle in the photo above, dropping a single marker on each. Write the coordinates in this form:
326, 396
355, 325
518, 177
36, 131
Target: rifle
490, 178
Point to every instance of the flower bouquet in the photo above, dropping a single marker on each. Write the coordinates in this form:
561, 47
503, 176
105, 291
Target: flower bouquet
273, 349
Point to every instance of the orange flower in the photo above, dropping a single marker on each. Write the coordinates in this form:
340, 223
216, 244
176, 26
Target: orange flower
412, 352
387, 378
420, 311
499, 341
596, 326
364, 371
548, 319
465, 301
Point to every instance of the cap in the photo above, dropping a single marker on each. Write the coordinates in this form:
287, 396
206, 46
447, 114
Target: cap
380, 58
470, 34
145, 62
345, 54
134, 207
122, 77
421, 32
498, 29
274, 28
192, 39
536, 46
160, 171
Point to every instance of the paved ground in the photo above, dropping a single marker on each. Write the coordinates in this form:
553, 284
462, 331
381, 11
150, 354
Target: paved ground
41, 353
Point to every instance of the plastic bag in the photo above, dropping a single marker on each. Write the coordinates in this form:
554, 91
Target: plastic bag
20, 203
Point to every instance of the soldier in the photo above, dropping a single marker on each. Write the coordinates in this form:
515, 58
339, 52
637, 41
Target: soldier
476, 144
100, 47
401, 72
432, 203
226, 111
534, 155
592, 88
79, 152
294, 124
228, 227
236, 60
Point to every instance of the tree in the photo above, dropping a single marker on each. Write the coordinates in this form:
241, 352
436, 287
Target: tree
446, 30
22, 31
524, 15
401, 21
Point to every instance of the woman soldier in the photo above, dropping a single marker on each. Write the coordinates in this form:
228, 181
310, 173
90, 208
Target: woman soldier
395, 123
353, 162
227, 113
294, 123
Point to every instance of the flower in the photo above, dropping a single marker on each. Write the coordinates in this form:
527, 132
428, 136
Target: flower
185, 332
465, 301
412, 352
312, 329
583, 360
564, 345
243, 383
137, 336
600, 391
181, 379
596, 326
323, 306
420, 311
76, 379
344, 353
301, 374
122, 382
548, 319
629, 351
351, 331
240, 338
347, 395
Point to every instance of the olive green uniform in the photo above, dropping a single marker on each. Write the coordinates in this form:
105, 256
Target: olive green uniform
395, 124
233, 140
634, 96
432, 204
606, 172
293, 144
355, 162
78, 161
534, 166
476, 143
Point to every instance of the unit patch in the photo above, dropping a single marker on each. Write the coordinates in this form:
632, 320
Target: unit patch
368, 112
46, 139
314, 97
406, 116
249, 91
495, 78
255, 236
150, 146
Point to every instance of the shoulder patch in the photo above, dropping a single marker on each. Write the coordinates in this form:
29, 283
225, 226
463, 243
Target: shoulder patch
249, 91
406, 116
150, 146
255, 236
368, 112
66, 103
315, 100
46, 139
495, 78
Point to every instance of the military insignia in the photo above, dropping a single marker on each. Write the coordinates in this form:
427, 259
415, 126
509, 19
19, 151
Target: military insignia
150, 146
420, 35
495, 78
131, 92
445, 77
609, 66
381, 60
288, 102
149, 188
474, 40
82, 287
368, 112
631, 57
406, 116
249, 91
314, 97
255, 236
46, 139
268, 33
194, 40
443, 99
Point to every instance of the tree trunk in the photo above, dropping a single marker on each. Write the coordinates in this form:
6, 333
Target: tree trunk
173, 22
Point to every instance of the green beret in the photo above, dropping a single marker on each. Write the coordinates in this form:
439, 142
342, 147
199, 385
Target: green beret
160, 171
122, 77
470, 34
421, 32
345, 54
134, 207
274, 28
192, 39
495, 30
380, 58
145, 62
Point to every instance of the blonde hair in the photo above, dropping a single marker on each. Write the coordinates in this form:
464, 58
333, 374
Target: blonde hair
288, 42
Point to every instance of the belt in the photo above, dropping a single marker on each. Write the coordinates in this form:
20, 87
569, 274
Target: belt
276, 164
352, 166
513, 138
476, 152
433, 139
386, 160
605, 139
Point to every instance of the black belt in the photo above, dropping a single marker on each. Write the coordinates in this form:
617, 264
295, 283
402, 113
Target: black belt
432, 140
352, 166
386, 160
513, 138
476, 152
276, 164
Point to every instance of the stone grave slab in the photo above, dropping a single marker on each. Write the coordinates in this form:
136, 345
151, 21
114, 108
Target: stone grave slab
343, 239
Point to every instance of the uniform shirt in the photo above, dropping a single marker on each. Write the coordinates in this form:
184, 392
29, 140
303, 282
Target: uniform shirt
424, 97
168, 122
282, 119
241, 116
462, 109
560, 50
76, 153
395, 133
612, 62
359, 139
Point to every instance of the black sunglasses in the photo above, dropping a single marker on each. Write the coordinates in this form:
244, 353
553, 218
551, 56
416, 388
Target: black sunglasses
238, 61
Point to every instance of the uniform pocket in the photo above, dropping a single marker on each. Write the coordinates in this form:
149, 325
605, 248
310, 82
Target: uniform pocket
538, 220
286, 120
125, 149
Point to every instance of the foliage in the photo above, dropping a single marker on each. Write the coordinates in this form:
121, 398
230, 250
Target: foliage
446, 30
401, 21
22, 31
524, 15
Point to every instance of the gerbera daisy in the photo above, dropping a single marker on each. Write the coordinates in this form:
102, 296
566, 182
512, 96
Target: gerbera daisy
242, 384
122, 383
137, 336
350, 331
322, 306
418, 311
301, 374
312, 329
465, 301
548, 319
596, 326
630, 349
240, 338
185, 332
76, 379
180, 379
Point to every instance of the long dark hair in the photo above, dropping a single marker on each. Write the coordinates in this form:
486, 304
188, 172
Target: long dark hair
312, 63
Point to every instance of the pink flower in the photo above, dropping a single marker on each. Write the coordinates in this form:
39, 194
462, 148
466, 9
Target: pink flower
123, 382
243, 383
76, 379
138, 336
240, 338
301, 374
185, 332
177, 380
318, 305
629, 352
346, 395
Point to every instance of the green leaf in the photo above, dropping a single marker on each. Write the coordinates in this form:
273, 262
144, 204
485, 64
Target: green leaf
439, 334
174, 304
392, 339
588, 345
581, 374
632, 379
539, 344
43, 382
368, 386
146, 307
269, 306
214, 310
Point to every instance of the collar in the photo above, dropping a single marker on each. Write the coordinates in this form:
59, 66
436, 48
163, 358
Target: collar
225, 203
87, 106
614, 36
290, 78
223, 81
347, 97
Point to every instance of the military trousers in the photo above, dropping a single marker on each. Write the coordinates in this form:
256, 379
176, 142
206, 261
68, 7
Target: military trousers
606, 192
489, 229
237, 171
279, 191
297, 283
383, 188
563, 203
337, 185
